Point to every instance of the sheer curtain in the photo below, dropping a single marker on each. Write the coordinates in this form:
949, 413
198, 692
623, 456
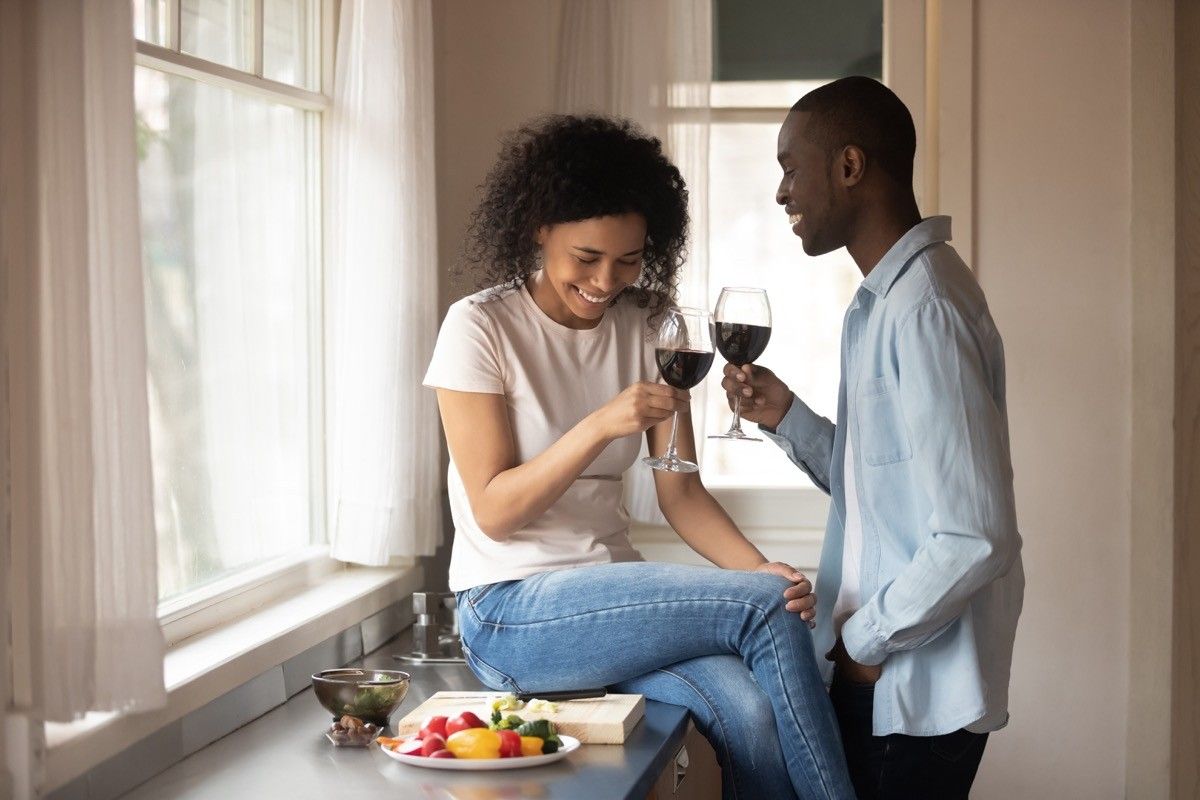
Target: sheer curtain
650, 62
98, 646
229, 220
382, 285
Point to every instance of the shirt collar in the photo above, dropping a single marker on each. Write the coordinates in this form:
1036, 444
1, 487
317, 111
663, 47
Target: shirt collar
931, 230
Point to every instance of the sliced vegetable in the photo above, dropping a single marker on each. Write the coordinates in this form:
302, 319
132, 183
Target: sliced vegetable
464, 721
509, 723
510, 744
474, 743
545, 730
536, 706
434, 725
431, 744
507, 702
442, 754
531, 746
409, 747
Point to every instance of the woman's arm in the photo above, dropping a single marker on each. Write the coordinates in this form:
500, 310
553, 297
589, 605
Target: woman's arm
506, 496
701, 521
694, 514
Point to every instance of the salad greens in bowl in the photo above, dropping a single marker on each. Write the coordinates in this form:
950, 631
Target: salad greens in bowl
372, 695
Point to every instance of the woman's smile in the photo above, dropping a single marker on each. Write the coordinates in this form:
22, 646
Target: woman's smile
594, 298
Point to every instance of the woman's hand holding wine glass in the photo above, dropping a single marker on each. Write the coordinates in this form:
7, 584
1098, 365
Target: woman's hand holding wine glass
639, 407
684, 351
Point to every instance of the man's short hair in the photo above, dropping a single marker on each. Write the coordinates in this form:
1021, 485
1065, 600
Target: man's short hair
862, 111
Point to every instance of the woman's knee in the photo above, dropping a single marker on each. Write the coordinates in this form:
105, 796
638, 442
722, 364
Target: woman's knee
747, 713
726, 700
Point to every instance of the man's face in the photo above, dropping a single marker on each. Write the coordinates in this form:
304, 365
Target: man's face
807, 191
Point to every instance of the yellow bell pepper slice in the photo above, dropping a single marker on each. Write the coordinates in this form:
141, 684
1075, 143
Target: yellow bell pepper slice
531, 745
474, 743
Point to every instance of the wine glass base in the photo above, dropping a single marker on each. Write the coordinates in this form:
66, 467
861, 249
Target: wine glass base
670, 464
737, 435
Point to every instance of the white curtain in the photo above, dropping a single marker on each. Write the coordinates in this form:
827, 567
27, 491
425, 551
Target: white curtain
228, 230
100, 643
382, 285
650, 61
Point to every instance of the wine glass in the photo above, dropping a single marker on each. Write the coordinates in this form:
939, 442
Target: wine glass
684, 351
743, 328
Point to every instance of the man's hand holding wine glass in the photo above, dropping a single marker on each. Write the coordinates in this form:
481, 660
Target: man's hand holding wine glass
765, 398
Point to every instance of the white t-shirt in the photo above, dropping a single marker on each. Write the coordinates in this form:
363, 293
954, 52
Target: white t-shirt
849, 597
500, 342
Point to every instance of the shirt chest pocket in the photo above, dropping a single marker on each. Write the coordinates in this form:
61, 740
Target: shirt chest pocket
881, 424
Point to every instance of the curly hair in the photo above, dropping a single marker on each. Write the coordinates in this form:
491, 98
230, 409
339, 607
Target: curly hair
566, 168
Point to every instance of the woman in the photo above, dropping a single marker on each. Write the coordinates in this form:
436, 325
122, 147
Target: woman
545, 384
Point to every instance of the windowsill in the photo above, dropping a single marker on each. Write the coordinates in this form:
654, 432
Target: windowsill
774, 506
785, 523
204, 667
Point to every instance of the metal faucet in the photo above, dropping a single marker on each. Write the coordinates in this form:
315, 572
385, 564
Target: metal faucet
436, 638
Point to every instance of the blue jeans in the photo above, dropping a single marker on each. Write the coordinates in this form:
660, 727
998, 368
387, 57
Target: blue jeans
716, 641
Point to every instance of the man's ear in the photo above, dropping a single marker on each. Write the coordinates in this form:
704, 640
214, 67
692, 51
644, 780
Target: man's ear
852, 165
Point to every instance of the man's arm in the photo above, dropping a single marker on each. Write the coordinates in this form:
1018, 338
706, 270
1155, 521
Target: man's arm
961, 461
805, 436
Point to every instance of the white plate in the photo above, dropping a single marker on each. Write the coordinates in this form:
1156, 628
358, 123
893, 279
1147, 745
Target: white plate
569, 745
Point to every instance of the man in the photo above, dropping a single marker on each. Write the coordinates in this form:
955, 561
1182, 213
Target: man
920, 582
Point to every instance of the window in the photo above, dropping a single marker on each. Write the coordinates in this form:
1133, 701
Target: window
767, 54
229, 143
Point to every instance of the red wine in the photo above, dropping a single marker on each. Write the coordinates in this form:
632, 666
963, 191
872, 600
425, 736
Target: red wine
740, 343
683, 369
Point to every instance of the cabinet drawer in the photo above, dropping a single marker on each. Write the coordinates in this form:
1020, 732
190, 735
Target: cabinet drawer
693, 774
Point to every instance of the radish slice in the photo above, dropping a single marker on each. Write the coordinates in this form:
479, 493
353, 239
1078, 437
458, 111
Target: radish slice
410, 747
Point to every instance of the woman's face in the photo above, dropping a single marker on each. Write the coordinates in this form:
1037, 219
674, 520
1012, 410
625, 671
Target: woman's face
586, 264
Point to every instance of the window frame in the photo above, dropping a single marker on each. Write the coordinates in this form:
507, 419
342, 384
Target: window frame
919, 36
765, 505
217, 602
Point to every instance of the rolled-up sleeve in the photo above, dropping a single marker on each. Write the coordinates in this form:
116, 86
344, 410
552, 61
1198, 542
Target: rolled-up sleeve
807, 438
962, 464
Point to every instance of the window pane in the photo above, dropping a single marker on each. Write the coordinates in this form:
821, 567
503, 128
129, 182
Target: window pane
759, 94
751, 244
220, 31
227, 210
151, 21
290, 44
758, 40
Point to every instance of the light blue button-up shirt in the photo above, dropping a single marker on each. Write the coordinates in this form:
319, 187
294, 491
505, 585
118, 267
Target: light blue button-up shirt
923, 386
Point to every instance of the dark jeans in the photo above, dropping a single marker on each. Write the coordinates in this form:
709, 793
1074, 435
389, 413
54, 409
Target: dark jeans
899, 767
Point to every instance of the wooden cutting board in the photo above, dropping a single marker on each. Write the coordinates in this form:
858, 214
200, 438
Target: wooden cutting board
600, 720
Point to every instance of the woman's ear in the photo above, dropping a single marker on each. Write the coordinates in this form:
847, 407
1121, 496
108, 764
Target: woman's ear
539, 237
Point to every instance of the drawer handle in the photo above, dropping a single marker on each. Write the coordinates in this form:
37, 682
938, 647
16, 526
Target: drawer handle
681, 767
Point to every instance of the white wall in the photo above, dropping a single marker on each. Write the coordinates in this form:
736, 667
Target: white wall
494, 70
1052, 235
1053, 238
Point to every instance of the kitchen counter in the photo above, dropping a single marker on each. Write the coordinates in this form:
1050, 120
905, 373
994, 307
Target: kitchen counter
284, 753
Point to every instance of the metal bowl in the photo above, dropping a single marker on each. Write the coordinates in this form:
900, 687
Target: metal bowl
369, 694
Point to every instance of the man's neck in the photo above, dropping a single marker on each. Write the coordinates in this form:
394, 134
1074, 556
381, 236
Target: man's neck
878, 230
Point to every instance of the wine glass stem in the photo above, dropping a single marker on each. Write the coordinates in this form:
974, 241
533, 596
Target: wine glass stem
671, 454
737, 414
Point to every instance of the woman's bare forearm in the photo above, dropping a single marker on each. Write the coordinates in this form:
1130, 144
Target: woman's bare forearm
701, 522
